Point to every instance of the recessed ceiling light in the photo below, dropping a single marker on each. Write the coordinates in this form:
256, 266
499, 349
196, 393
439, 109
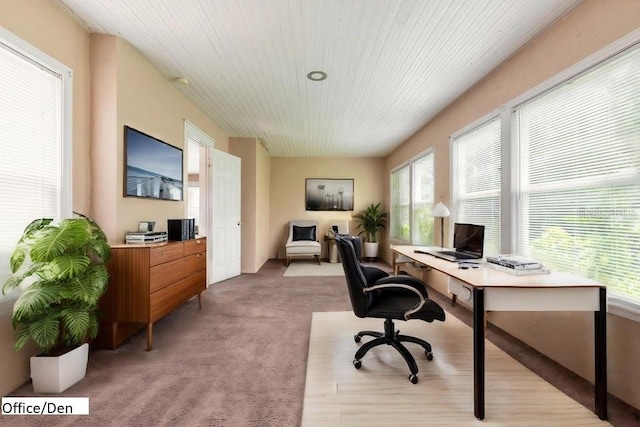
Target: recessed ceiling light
317, 76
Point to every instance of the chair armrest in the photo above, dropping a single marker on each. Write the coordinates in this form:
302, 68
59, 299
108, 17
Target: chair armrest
405, 280
408, 287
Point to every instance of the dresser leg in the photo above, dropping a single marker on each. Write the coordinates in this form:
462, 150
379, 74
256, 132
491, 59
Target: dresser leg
149, 336
199, 300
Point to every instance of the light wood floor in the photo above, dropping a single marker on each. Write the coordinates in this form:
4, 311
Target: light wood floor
380, 394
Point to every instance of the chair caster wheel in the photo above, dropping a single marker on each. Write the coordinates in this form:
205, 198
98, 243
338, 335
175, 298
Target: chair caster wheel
413, 379
357, 364
429, 355
357, 338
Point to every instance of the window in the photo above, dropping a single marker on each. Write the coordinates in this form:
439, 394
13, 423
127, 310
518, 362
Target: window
412, 200
34, 129
476, 160
578, 151
570, 176
400, 203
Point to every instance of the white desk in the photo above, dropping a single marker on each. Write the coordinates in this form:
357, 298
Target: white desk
491, 290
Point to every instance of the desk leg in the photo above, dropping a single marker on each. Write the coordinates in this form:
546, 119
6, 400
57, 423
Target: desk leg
600, 332
395, 266
478, 353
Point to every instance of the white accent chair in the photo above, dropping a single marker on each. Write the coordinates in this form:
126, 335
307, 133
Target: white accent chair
303, 240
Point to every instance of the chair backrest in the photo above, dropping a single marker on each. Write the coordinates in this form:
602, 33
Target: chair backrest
356, 281
302, 230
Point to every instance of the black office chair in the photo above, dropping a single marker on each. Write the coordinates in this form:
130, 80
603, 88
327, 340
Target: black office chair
374, 293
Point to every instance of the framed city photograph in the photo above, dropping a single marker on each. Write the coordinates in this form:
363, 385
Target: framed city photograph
328, 194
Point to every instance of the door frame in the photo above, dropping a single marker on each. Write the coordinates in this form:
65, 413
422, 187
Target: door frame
193, 133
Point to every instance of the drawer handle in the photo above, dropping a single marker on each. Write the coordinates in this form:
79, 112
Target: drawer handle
198, 256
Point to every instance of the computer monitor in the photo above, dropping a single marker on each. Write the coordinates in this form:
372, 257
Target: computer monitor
469, 238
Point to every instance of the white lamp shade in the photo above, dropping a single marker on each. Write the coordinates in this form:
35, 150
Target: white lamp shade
441, 211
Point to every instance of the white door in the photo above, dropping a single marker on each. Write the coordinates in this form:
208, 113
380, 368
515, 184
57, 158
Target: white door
226, 225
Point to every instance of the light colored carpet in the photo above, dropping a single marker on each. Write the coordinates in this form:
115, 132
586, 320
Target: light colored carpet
380, 394
312, 268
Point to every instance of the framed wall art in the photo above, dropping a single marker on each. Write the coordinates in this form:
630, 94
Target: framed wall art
329, 194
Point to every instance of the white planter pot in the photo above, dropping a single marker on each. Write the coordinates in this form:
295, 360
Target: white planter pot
55, 374
370, 250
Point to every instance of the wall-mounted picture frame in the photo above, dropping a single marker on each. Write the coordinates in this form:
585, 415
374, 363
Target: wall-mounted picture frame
329, 194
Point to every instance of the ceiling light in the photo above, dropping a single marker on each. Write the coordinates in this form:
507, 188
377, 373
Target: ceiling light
317, 76
181, 80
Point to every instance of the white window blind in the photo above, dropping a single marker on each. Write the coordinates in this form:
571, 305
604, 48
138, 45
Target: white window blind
400, 203
422, 200
31, 131
477, 180
578, 145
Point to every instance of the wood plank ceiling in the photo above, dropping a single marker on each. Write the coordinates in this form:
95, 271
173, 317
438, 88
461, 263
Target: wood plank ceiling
391, 65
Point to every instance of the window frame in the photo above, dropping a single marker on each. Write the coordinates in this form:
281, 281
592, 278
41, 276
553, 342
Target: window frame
617, 303
28, 52
410, 164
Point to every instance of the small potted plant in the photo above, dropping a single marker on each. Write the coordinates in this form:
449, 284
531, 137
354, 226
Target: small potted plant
371, 220
63, 266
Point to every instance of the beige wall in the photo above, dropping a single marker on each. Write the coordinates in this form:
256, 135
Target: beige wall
590, 27
113, 85
288, 193
263, 205
256, 169
146, 100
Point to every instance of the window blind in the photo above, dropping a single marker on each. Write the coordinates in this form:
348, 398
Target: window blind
422, 200
477, 180
400, 203
578, 151
30, 137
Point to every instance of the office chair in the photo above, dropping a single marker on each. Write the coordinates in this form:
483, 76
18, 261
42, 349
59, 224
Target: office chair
376, 294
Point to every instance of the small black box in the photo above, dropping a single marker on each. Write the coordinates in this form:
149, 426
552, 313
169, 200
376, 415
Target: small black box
181, 229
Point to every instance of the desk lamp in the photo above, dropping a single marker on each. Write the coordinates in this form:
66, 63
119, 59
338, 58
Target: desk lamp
441, 211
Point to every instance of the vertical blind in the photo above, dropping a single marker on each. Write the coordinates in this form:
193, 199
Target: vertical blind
476, 191
30, 137
578, 151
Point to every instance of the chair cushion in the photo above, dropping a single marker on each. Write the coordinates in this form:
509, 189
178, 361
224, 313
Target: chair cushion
303, 247
303, 233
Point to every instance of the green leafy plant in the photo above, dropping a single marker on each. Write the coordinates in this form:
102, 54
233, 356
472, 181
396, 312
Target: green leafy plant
371, 220
64, 265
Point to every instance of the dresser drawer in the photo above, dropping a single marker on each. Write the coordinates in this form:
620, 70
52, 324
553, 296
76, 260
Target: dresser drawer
195, 246
163, 275
167, 299
195, 262
164, 253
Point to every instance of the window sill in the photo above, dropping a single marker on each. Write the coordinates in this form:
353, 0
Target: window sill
623, 307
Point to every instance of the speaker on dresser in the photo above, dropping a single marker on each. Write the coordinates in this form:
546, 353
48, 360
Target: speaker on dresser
181, 229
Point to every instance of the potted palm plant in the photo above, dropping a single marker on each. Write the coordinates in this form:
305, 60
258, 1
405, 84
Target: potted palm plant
63, 268
371, 220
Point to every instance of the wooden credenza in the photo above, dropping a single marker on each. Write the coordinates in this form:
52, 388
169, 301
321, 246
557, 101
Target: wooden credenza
147, 282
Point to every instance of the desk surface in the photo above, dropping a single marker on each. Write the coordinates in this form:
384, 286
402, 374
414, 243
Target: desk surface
484, 277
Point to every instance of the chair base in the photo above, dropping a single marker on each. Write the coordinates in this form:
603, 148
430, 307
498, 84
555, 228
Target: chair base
394, 339
314, 256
